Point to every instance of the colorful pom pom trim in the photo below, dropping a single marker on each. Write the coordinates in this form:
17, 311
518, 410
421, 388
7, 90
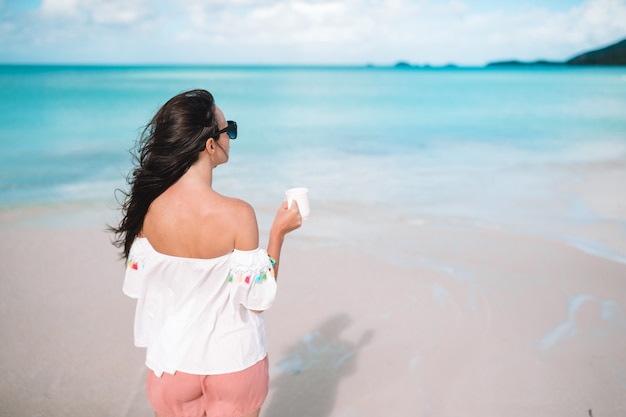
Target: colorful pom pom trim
250, 277
135, 264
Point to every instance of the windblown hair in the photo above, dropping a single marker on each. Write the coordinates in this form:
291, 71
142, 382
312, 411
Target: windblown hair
167, 147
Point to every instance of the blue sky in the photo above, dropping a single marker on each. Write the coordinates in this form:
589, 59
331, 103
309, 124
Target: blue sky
465, 32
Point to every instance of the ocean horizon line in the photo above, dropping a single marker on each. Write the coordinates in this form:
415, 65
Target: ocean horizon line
399, 66
396, 65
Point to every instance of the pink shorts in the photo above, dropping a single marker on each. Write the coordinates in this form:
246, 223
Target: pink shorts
227, 395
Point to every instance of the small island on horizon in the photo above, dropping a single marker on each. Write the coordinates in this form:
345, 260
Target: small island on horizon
612, 55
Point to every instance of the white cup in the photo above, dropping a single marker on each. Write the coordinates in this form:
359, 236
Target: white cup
301, 195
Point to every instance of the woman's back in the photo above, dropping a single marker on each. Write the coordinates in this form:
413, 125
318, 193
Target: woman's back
193, 221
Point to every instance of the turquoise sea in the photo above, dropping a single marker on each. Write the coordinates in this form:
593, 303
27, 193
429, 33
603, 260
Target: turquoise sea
497, 145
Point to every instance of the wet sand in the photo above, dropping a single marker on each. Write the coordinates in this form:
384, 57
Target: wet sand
391, 315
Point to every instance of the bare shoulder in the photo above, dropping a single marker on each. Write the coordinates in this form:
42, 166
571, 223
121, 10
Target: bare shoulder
243, 220
240, 210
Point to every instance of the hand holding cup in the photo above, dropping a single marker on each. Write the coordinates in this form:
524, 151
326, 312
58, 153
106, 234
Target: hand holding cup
287, 219
301, 196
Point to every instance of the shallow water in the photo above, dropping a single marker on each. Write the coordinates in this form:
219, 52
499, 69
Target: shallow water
503, 147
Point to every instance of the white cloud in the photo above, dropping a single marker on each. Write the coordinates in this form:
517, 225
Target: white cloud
60, 8
315, 31
96, 11
419, 31
601, 18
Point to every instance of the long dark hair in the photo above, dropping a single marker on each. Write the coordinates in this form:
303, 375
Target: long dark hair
167, 147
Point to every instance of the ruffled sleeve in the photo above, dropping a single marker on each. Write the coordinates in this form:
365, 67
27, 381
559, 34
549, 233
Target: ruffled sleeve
251, 279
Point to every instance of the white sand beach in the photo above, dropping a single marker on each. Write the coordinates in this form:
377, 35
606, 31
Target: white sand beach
378, 314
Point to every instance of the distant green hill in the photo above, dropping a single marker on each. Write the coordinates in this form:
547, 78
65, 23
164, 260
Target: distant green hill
611, 55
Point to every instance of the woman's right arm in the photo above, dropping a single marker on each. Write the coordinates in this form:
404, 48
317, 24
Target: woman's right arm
287, 220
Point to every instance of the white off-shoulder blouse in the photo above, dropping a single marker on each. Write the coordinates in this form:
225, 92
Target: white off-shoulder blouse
194, 315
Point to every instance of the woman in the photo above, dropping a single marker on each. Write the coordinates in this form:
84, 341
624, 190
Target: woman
195, 266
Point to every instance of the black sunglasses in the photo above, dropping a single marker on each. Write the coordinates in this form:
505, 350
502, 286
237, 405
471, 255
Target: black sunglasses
231, 129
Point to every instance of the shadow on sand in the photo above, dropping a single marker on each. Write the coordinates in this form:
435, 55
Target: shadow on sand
311, 371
